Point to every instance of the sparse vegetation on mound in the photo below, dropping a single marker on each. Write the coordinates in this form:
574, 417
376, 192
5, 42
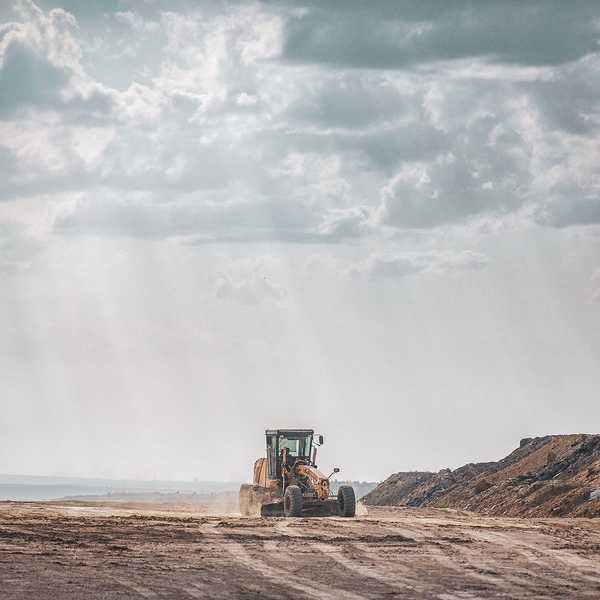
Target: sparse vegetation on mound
555, 475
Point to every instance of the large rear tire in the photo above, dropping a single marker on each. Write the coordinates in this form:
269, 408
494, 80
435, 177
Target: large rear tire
346, 501
293, 501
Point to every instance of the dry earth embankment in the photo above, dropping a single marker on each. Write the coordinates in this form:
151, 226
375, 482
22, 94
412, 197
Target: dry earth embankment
554, 475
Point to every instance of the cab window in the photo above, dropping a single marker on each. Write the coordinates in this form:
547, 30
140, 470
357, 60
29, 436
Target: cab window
296, 446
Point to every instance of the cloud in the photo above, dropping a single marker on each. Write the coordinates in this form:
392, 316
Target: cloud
136, 22
393, 35
233, 122
40, 66
349, 100
250, 287
446, 190
575, 207
18, 247
567, 99
383, 266
346, 223
146, 216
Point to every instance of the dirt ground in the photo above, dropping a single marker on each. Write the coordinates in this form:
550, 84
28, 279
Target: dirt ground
75, 551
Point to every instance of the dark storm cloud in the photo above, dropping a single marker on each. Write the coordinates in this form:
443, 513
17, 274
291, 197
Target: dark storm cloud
350, 101
241, 125
572, 205
570, 99
397, 35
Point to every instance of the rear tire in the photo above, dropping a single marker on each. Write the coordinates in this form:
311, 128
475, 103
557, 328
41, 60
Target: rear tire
293, 501
346, 501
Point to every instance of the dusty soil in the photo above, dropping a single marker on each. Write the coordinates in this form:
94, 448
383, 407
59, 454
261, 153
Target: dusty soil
76, 551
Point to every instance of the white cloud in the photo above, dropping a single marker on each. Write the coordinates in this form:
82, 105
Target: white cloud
346, 222
244, 99
136, 22
248, 284
40, 66
383, 266
227, 113
148, 215
448, 189
18, 247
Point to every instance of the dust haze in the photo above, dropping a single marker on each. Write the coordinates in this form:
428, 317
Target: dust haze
221, 218
230, 227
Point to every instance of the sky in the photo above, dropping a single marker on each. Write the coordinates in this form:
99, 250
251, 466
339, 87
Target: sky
379, 220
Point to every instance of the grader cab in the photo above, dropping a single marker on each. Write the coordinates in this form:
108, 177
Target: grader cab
288, 482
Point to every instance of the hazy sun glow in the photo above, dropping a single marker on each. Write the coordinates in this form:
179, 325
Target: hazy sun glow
217, 218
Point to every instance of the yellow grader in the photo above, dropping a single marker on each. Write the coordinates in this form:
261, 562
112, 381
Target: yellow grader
288, 482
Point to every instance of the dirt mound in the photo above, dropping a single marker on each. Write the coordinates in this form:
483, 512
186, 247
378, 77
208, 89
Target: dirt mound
555, 475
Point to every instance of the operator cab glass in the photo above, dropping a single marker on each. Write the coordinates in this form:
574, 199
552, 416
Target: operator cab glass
298, 443
298, 447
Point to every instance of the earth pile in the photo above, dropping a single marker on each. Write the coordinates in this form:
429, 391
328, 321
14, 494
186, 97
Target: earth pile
555, 475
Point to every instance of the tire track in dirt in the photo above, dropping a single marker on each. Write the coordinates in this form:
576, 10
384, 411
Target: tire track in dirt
326, 571
521, 569
135, 587
428, 542
477, 564
408, 554
286, 578
337, 554
171, 586
409, 584
198, 591
189, 588
537, 553
410, 581
422, 570
505, 556
452, 560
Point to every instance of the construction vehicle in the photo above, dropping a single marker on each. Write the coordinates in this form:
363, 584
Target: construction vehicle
288, 482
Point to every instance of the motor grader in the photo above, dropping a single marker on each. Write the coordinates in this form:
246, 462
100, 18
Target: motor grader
288, 482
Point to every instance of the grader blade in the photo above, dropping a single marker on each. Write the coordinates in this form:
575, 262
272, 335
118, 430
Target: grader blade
274, 509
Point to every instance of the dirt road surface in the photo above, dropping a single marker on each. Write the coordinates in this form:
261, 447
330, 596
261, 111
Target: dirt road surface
52, 551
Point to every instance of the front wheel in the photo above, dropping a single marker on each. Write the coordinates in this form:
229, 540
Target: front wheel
346, 501
293, 501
